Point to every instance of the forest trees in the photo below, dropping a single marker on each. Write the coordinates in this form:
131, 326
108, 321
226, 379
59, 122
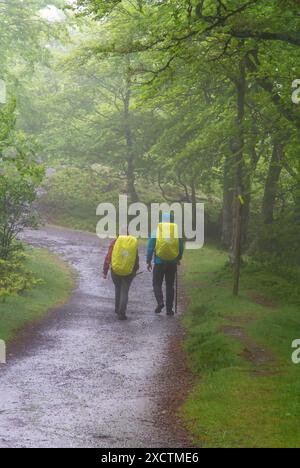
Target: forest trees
23, 34
120, 129
237, 59
190, 98
20, 176
18, 184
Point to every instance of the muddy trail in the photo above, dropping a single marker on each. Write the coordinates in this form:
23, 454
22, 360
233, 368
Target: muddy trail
81, 378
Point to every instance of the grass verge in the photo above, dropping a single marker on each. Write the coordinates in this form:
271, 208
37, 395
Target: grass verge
56, 287
247, 390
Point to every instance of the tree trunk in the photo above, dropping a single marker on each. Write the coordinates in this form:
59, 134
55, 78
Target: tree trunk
297, 204
130, 158
246, 208
131, 181
237, 247
228, 192
271, 187
194, 203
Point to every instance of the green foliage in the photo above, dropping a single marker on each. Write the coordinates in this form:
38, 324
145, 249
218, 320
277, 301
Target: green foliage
23, 36
98, 7
17, 193
7, 123
149, 89
20, 177
72, 194
15, 278
278, 244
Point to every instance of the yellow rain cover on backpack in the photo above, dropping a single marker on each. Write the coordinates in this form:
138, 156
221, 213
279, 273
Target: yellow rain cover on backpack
124, 255
167, 241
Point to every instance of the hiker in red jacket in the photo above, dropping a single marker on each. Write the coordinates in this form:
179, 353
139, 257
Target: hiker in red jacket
123, 258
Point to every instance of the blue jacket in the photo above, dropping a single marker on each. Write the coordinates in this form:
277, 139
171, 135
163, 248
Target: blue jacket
157, 260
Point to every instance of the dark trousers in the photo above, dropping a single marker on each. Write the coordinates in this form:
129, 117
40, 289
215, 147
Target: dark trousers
122, 286
168, 272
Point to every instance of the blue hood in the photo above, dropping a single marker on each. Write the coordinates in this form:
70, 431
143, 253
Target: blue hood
166, 218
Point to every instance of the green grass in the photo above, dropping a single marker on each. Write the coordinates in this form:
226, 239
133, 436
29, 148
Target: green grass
31, 306
79, 219
231, 405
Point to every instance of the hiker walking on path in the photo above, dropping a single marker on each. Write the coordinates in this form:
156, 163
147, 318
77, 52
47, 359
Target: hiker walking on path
123, 257
167, 249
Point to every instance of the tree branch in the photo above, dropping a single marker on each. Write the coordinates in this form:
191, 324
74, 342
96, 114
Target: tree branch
267, 36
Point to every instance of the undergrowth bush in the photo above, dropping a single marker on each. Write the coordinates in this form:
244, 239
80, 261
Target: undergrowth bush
15, 278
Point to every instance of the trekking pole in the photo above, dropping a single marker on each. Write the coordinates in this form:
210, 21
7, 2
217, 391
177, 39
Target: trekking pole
176, 292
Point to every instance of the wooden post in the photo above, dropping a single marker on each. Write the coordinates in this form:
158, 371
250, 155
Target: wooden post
238, 245
239, 183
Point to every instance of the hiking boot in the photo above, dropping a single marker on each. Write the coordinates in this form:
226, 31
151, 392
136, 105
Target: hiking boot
159, 308
170, 313
122, 317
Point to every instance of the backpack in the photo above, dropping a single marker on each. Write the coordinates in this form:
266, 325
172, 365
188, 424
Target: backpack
167, 241
124, 255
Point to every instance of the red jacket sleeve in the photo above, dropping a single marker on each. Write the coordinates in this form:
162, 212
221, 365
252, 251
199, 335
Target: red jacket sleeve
107, 261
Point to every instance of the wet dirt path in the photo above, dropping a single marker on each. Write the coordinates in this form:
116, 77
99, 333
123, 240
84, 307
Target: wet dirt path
83, 379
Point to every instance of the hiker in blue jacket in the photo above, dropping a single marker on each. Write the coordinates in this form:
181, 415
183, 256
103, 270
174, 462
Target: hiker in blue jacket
167, 255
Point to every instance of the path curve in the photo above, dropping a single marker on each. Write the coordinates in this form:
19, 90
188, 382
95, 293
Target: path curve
81, 378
